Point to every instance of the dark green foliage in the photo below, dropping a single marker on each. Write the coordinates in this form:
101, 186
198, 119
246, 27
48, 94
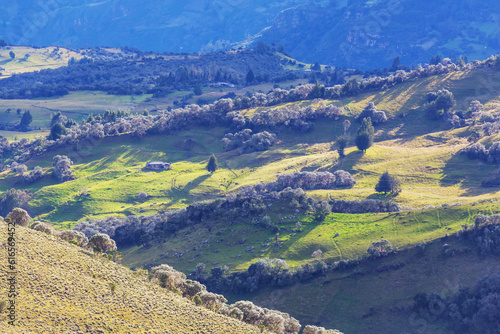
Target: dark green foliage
250, 76
316, 67
439, 103
342, 143
395, 64
3, 43
321, 210
388, 184
197, 90
262, 48
12, 54
212, 165
364, 136
26, 119
57, 131
189, 144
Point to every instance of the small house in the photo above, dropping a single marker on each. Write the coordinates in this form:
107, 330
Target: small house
158, 165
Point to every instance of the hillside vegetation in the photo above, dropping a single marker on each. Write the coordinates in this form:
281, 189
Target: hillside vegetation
28, 59
64, 289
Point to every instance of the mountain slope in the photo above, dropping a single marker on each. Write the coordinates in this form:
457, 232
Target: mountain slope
64, 289
151, 25
370, 34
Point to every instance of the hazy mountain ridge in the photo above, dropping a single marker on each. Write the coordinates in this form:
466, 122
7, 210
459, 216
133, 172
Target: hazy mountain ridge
370, 35
152, 25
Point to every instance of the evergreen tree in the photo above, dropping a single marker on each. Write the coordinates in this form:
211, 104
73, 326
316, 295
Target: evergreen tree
26, 119
395, 63
57, 131
212, 165
342, 142
316, 67
12, 55
197, 90
364, 136
3, 43
388, 184
250, 76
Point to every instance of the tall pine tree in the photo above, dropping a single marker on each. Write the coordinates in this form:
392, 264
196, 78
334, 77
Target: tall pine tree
364, 136
212, 165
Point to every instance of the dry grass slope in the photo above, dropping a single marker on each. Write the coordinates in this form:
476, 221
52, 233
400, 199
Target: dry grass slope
63, 289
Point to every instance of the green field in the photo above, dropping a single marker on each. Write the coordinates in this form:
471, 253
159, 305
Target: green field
39, 59
75, 105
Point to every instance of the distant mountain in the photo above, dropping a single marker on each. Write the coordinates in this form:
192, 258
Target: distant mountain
370, 34
364, 34
157, 25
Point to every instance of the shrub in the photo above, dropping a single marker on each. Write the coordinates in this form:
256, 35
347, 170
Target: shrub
43, 227
375, 115
388, 184
19, 217
102, 243
62, 168
380, 248
142, 196
75, 237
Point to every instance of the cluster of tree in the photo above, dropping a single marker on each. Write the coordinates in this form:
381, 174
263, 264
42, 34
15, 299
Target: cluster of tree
380, 248
21, 169
312, 180
371, 112
484, 234
294, 116
192, 115
271, 320
363, 206
62, 168
144, 75
14, 198
248, 142
439, 104
480, 152
249, 202
269, 272
470, 310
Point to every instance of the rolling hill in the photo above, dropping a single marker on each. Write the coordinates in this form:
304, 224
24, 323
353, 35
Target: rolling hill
62, 288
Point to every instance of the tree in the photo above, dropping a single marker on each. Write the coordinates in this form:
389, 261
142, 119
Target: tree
189, 144
388, 184
26, 119
12, 54
212, 165
364, 136
316, 67
342, 142
62, 168
250, 76
395, 63
197, 90
57, 131
3, 43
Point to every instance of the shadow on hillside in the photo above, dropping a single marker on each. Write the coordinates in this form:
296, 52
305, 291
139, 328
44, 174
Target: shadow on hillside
178, 193
469, 174
349, 161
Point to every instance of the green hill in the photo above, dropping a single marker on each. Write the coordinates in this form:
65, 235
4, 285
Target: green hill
62, 288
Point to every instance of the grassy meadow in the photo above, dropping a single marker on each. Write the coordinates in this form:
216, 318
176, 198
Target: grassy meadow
422, 153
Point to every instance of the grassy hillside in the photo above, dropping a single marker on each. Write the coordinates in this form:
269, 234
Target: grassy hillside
374, 299
38, 59
421, 152
223, 243
64, 289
